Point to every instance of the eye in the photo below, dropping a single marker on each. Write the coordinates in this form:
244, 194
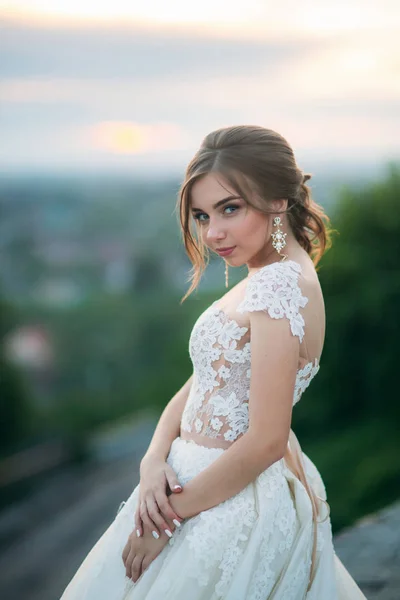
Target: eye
234, 206
198, 216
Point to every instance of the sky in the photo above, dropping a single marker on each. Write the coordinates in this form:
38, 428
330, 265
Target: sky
135, 86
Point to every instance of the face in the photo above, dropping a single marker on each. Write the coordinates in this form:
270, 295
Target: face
224, 220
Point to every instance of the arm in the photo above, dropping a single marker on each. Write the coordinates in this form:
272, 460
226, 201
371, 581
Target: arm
274, 362
157, 478
168, 426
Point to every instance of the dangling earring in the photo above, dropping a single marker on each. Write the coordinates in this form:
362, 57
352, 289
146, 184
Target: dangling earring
278, 238
226, 274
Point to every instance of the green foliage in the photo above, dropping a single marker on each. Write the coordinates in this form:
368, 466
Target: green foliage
15, 409
16, 413
347, 415
108, 352
120, 354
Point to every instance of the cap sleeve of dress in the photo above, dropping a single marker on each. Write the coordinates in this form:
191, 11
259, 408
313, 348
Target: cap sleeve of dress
275, 290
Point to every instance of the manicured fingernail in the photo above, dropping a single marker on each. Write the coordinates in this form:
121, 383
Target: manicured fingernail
177, 487
175, 522
167, 531
155, 534
138, 532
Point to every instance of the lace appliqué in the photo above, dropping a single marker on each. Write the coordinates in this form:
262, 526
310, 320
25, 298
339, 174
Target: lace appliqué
275, 288
219, 536
303, 379
218, 403
213, 548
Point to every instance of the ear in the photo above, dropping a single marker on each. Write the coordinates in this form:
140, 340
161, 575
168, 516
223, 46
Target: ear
279, 205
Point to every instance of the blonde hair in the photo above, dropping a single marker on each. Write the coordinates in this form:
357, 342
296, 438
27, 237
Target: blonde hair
253, 159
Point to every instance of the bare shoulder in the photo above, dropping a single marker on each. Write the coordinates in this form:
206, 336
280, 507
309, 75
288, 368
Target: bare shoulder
308, 279
314, 311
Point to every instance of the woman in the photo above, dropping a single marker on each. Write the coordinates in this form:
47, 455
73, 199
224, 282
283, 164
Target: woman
228, 507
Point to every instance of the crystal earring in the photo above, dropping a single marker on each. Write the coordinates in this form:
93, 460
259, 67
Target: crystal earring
226, 274
278, 238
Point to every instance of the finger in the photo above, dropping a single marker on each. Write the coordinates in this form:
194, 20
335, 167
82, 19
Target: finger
166, 510
149, 558
128, 564
172, 479
125, 552
146, 563
127, 549
147, 522
136, 568
138, 522
157, 518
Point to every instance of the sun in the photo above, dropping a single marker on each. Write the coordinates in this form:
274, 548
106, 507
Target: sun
128, 137
119, 137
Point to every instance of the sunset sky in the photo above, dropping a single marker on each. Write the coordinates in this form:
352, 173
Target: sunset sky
136, 86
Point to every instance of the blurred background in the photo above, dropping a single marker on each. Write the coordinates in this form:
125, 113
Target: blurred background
102, 105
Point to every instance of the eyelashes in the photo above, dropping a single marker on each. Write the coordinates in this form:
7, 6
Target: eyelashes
198, 215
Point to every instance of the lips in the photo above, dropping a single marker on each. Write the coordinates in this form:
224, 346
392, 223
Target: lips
224, 251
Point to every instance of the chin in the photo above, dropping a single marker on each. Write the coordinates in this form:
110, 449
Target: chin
234, 261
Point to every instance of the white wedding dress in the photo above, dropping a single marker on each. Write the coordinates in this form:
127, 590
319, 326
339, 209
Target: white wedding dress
266, 542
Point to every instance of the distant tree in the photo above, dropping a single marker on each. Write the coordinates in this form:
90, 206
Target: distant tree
348, 420
149, 274
360, 278
15, 410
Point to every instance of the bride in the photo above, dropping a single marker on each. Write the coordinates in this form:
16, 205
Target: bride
228, 506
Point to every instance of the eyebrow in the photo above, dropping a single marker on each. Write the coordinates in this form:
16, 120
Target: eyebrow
219, 203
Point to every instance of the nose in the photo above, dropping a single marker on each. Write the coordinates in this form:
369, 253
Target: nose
214, 234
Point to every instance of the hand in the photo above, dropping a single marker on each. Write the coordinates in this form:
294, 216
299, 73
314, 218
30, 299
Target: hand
154, 512
139, 553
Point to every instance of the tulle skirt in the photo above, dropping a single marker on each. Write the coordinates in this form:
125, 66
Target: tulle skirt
257, 545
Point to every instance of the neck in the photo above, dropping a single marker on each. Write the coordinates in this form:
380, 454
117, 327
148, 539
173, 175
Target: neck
269, 255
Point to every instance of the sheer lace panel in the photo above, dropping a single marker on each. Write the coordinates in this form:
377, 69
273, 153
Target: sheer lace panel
219, 346
217, 405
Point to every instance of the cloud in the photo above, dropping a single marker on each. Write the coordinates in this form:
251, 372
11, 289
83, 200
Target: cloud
118, 97
136, 54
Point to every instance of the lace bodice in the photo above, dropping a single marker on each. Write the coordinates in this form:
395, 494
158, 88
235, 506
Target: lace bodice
220, 350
